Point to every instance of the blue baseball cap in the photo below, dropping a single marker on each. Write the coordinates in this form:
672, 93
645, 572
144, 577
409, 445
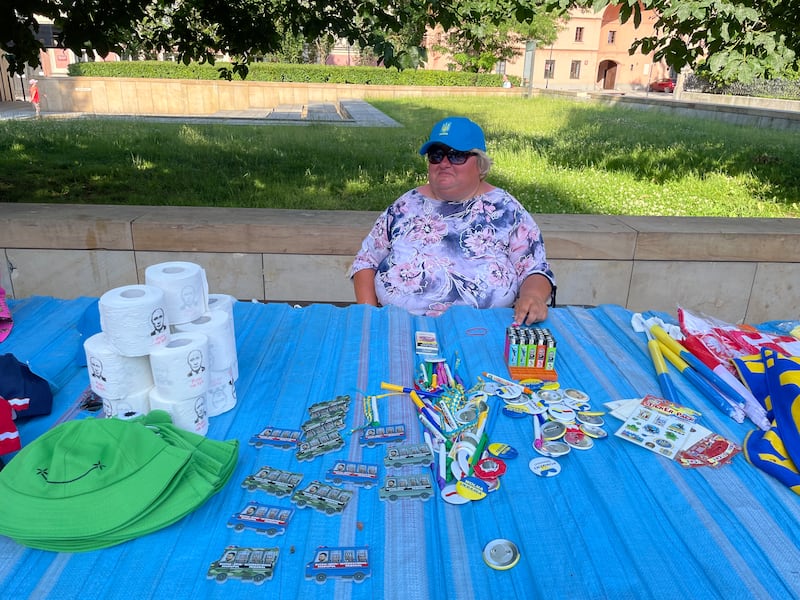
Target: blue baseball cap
459, 133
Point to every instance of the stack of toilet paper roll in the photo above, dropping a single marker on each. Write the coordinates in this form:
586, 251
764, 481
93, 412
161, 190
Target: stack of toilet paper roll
168, 345
181, 379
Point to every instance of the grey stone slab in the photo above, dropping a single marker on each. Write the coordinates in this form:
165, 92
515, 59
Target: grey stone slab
587, 237
69, 273
61, 226
308, 278
716, 238
592, 282
720, 289
234, 273
776, 293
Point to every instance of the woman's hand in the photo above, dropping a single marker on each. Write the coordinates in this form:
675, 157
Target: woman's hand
531, 304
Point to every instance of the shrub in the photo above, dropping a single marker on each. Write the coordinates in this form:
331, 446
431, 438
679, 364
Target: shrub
285, 72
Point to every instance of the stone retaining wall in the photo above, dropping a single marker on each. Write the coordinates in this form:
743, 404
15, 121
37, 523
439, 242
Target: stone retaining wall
735, 269
138, 96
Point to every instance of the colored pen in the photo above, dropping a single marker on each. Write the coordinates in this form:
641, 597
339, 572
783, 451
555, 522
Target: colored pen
483, 417
502, 381
432, 428
476, 456
537, 432
439, 480
451, 382
399, 388
425, 410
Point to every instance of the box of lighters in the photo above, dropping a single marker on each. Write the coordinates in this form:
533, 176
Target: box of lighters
530, 352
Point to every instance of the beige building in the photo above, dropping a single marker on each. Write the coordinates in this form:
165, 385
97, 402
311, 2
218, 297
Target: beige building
591, 53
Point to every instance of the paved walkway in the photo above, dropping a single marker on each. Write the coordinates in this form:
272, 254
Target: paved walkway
356, 113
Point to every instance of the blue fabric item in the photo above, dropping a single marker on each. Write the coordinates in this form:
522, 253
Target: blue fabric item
777, 451
765, 450
17, 381
783, 378
617, 522
88, 326
753, 373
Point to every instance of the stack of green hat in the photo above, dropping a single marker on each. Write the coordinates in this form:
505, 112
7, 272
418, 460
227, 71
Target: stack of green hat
94, 483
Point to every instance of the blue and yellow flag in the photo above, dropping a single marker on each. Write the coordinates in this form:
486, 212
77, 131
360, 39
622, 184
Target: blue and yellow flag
753, 373
777, 451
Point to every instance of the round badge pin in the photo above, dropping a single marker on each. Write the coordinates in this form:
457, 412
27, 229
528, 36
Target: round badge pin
450, 495
501, 554
472, 488
493, 485
468, 414
535, 407
577, 404
576, 395
532, 384
561, 412
516, 411
504, 451
489, 468
594, 431
549, 396
552, 449
588, 418
509, 392
553, 430
578, 440
490, 387
544, 467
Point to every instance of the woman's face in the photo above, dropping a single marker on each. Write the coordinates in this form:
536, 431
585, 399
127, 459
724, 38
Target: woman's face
451, 182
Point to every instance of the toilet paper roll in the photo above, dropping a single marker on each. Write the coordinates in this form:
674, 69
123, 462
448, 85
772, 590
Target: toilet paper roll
189, 413
221, 395
222, 302
128, 407
218, 327
180, 366
112, 375
134, 319
185, 289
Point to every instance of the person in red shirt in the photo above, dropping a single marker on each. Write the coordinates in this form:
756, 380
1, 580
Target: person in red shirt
34, 83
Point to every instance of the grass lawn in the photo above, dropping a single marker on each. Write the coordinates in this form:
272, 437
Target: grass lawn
554, 155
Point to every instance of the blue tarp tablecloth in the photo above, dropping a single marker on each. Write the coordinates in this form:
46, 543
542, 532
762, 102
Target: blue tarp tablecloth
617, 522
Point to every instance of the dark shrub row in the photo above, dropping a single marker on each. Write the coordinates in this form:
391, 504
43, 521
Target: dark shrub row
295, 73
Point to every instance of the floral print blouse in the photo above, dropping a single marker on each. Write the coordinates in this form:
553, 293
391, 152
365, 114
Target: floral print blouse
429, 254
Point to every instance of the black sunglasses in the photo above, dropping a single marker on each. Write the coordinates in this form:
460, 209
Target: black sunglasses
456, 157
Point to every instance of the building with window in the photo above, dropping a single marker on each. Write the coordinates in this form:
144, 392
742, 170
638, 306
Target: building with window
591, 53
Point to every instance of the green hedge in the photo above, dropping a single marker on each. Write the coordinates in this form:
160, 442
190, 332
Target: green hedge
290, 73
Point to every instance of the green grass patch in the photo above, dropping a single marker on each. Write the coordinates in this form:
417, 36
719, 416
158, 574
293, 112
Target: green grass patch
555, 155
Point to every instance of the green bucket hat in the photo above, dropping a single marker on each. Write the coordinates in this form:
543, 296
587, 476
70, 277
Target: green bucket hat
95, 483
85, 478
